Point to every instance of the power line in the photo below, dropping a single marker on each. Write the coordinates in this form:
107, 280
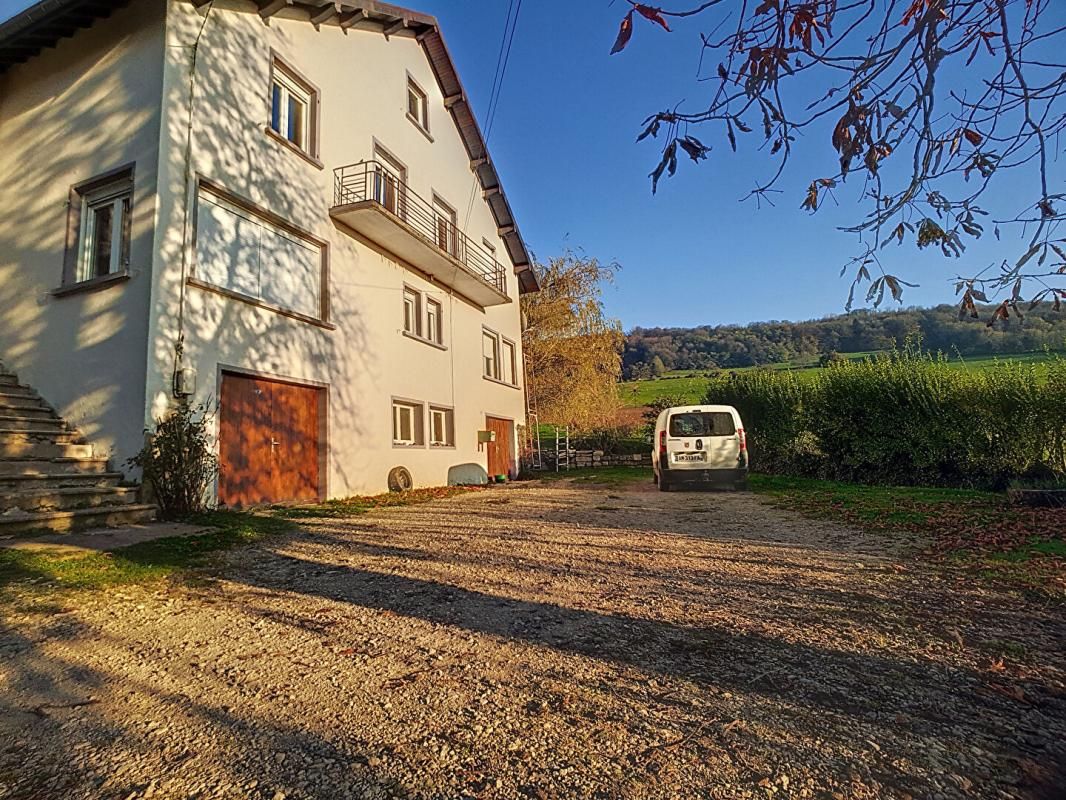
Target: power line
509, 27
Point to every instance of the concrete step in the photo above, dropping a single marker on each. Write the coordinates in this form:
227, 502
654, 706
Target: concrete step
67, 499
9, 379
17, 390
12, 404
21, 422
19, 522
57, 480
29, 465
28, 410
37, 446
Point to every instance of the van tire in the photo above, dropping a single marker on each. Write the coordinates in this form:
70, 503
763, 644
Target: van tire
664, 486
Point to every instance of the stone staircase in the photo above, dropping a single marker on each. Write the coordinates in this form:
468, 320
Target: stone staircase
49, 478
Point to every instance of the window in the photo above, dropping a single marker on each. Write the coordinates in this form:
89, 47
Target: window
251, 252
412, 312
417, 106
423, 317
510, 363
293, 108
446, 222
390, 182
491, 355
702, 423
98, 227
407, 424
434, 322
441, 427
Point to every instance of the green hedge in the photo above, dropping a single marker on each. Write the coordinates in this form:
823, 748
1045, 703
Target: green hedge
905, 418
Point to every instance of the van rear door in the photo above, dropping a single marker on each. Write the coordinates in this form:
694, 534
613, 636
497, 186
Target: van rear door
703, 440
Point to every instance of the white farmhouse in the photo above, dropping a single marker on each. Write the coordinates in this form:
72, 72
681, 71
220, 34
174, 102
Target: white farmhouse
282, 209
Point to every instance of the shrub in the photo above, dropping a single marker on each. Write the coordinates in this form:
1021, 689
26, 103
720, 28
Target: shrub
773, 406
905, 417
178, 462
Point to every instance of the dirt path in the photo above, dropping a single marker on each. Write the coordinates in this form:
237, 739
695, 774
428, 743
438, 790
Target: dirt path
541, 641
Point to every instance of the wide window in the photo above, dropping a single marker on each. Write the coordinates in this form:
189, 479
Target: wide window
441, 427
293, 108
248, 251
417, 105
702, 423
407, 424
490, 355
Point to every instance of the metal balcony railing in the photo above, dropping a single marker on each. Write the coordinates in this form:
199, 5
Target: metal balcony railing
374, 181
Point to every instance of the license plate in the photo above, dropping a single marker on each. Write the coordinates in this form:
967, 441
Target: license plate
688, 457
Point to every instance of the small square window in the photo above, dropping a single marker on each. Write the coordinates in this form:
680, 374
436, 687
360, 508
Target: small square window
417, 105
293, 108
407, 424
441, 427
99, 222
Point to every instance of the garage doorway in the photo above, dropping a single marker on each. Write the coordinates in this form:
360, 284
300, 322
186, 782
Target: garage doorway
270, 441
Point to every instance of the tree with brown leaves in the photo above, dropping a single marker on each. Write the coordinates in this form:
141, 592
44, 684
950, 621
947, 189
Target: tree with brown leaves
572, 351
925, 103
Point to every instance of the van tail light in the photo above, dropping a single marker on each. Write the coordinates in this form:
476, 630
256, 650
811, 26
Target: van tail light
662, 442
743, 440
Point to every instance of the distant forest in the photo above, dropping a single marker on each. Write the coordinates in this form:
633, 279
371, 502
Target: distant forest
652, 351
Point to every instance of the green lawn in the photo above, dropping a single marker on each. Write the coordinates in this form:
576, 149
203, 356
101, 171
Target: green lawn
691, 384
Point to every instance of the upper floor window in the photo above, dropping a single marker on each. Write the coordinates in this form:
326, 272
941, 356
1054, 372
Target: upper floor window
98, 225
293, 108
423, 317
447, 224
417, 105
499, 358
412, 312
490, 355
434, 322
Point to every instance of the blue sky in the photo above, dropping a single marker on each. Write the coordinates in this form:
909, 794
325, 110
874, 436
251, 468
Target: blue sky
563, 139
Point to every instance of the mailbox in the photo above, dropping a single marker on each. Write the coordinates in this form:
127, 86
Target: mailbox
483, 437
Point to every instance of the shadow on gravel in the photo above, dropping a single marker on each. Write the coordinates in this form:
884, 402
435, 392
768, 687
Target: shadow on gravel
57, 740
882, 691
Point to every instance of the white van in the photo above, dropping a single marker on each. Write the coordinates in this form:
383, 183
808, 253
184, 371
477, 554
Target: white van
699, 444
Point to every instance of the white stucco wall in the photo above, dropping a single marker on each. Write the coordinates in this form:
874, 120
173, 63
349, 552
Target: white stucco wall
85, 107
365, 361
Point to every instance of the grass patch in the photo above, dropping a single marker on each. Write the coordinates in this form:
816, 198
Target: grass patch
600, 476
28, 571
692, 384
972, 528
139, 563
352, 506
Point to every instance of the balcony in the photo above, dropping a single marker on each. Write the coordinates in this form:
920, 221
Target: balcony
373, 201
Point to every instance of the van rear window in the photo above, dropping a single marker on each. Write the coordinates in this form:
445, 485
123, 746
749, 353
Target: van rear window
702, 423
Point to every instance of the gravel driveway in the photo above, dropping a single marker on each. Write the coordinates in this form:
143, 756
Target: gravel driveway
544, 641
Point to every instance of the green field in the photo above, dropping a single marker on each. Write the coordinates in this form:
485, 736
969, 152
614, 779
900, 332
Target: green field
691, 384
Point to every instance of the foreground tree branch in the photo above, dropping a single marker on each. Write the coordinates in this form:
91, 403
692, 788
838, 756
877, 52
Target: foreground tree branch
925, 104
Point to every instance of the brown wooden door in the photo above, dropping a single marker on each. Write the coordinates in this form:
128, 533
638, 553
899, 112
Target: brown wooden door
268, 442
501, 452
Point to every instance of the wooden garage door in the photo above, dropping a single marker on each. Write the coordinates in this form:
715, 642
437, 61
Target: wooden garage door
501, 452
269, 442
